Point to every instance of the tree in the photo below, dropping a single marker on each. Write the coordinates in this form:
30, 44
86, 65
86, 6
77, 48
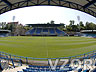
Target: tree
71, 25
74, 28
81, 26
48, 23
68, 28
72, 22
90, 26
52, 22
3, 25
87, 26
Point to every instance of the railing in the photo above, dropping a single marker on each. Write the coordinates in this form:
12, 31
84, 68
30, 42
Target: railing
39, 61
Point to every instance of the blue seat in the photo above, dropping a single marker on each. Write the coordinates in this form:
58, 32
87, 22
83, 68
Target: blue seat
79, 70
67, 65
29, 68
94, 70
45, 30
47, 66
42, 70
38, 30
25, 70
30, 65
31, 31
59, 31
86, 71
19, 71
52, 31
38, 66
62, 71
47, 69
34, 68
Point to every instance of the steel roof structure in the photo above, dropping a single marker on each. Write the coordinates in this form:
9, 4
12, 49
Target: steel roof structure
87, 6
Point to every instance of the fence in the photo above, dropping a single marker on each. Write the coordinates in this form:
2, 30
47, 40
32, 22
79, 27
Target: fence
15, 60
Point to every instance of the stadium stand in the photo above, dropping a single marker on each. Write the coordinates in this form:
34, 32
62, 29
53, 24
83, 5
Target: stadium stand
89, 33
34, 68
38, 31
17, 63
4, 33
45, 30
31, 31
52, 31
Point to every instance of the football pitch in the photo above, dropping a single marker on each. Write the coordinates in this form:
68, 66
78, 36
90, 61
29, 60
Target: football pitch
47, 47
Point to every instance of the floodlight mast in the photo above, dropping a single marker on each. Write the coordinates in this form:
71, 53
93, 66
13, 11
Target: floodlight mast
13, 18
78, 17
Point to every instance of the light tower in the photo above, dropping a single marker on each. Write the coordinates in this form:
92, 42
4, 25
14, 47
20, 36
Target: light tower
78, 18
13, 18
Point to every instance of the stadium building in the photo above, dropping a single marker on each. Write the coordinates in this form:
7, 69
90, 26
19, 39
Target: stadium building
46, 30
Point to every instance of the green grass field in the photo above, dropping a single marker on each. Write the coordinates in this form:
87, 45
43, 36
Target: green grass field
47, 47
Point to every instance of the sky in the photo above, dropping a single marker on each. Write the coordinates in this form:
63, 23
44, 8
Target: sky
44, 14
